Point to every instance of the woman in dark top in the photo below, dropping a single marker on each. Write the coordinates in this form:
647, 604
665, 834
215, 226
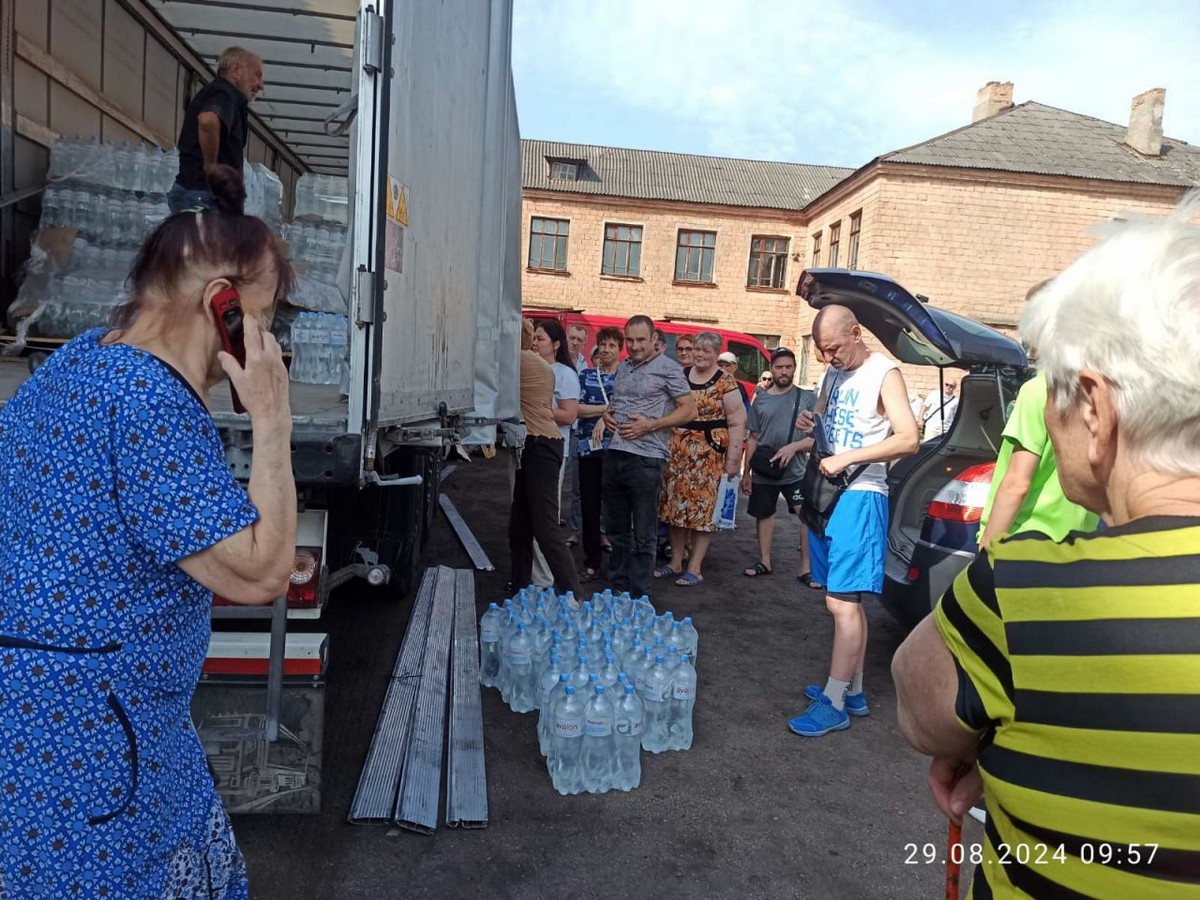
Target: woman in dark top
118, 519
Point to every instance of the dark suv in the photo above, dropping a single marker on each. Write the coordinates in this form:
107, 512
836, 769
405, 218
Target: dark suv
935, 496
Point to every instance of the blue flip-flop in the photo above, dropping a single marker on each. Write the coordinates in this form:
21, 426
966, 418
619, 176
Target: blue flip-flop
689, 579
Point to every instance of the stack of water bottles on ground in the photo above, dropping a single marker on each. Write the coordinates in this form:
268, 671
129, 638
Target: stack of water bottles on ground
101, 201
316, 239
608, 676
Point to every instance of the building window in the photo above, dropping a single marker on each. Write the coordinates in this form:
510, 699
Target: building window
835, 239
816, 254
694, 253
770, 341
855, 228
622, 250
548, 244
768, 260
561, 170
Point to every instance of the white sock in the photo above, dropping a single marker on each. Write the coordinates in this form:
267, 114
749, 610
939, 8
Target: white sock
836, 692
855, 684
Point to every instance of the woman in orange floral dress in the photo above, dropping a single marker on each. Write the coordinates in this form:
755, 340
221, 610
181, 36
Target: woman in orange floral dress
699, 454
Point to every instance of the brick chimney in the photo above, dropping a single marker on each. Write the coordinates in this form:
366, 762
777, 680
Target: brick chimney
1145, 122
994, 97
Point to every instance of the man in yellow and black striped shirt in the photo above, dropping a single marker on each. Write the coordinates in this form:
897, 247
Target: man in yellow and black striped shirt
1062, 680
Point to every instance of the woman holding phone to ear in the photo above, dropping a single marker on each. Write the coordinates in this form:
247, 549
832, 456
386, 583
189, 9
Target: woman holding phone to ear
119, 518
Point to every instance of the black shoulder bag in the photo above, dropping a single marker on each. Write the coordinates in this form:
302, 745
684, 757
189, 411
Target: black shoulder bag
821, 493
760, 460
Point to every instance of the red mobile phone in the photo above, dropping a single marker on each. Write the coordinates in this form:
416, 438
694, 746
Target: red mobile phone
227, 308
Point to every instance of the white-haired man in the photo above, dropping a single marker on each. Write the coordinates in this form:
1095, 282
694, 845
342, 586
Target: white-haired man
215, 127
867, 423
1062, 679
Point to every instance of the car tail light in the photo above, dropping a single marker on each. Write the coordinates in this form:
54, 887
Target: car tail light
963, 499
304, 589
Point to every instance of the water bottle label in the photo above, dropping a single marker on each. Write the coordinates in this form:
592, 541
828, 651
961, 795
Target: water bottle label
598, 727
489, 634
518, 657
568, 728
631, 727
652, 693
684, 692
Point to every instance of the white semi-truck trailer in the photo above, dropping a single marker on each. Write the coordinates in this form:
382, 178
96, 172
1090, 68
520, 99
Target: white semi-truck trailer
413, 103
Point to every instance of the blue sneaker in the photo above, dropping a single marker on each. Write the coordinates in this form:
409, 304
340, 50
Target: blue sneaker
856, 704
820, 718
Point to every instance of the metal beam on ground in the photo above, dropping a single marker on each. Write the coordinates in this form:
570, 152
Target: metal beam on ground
375, 797
465, 536
466, 775
421, 774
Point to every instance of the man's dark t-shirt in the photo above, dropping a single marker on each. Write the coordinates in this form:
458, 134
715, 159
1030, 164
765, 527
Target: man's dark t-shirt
226, 102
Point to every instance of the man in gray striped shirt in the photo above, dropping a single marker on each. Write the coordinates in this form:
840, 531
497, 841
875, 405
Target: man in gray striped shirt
651, 395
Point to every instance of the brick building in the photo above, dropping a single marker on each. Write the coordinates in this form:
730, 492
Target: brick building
970, 219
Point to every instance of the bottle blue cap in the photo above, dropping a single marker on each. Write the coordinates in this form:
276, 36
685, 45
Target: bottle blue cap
570, 690
621, 676
629, 689
564, 677
599, 689
659, 658
493, 606
593, 677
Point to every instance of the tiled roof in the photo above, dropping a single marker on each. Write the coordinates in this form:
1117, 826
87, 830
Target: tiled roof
1047, 141
653, 175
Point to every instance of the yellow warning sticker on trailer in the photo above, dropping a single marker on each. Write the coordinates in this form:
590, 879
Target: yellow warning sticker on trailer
397, 201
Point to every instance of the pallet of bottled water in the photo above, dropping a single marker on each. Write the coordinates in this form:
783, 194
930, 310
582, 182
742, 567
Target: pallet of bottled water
317, 239
100, 203
320, 344
609, 678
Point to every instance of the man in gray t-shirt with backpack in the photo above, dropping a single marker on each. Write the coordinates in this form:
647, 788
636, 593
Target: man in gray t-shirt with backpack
776, 454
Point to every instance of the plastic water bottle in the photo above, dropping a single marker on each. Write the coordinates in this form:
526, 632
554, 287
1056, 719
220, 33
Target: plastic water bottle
655, 693
567, 744
489, 629
629, 716
548, 679
508, 630
599, 749
338, 342
581, 674
546, 714
691, 637
683, 701
296, 373
608, 672
521, 694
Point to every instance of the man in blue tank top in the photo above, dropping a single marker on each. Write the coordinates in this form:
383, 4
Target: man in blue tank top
867, 423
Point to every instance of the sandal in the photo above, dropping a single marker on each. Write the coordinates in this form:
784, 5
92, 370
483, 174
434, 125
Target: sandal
759, 568
666, 572
807, 580
689, 579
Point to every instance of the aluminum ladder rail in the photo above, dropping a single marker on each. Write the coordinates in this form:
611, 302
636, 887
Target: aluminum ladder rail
466, 777
375, 796
421, 773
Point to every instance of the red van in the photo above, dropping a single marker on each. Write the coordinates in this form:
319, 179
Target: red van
753, 357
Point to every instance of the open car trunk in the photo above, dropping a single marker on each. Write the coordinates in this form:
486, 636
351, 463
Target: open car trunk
916, 333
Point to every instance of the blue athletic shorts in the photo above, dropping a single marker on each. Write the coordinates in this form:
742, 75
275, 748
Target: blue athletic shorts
849, 557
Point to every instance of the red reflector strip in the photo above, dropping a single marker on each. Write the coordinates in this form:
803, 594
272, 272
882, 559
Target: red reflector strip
914, 573
253, 666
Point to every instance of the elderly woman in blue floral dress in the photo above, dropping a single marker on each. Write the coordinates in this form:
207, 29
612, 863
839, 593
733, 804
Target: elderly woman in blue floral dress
118, 520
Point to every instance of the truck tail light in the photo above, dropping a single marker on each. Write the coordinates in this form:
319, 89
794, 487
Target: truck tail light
963, 498
304, 591
305, 579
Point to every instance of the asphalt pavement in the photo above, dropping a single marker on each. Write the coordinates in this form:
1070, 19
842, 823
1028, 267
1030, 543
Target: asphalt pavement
751, 811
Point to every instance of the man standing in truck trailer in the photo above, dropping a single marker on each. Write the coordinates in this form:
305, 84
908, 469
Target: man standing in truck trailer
215, 127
